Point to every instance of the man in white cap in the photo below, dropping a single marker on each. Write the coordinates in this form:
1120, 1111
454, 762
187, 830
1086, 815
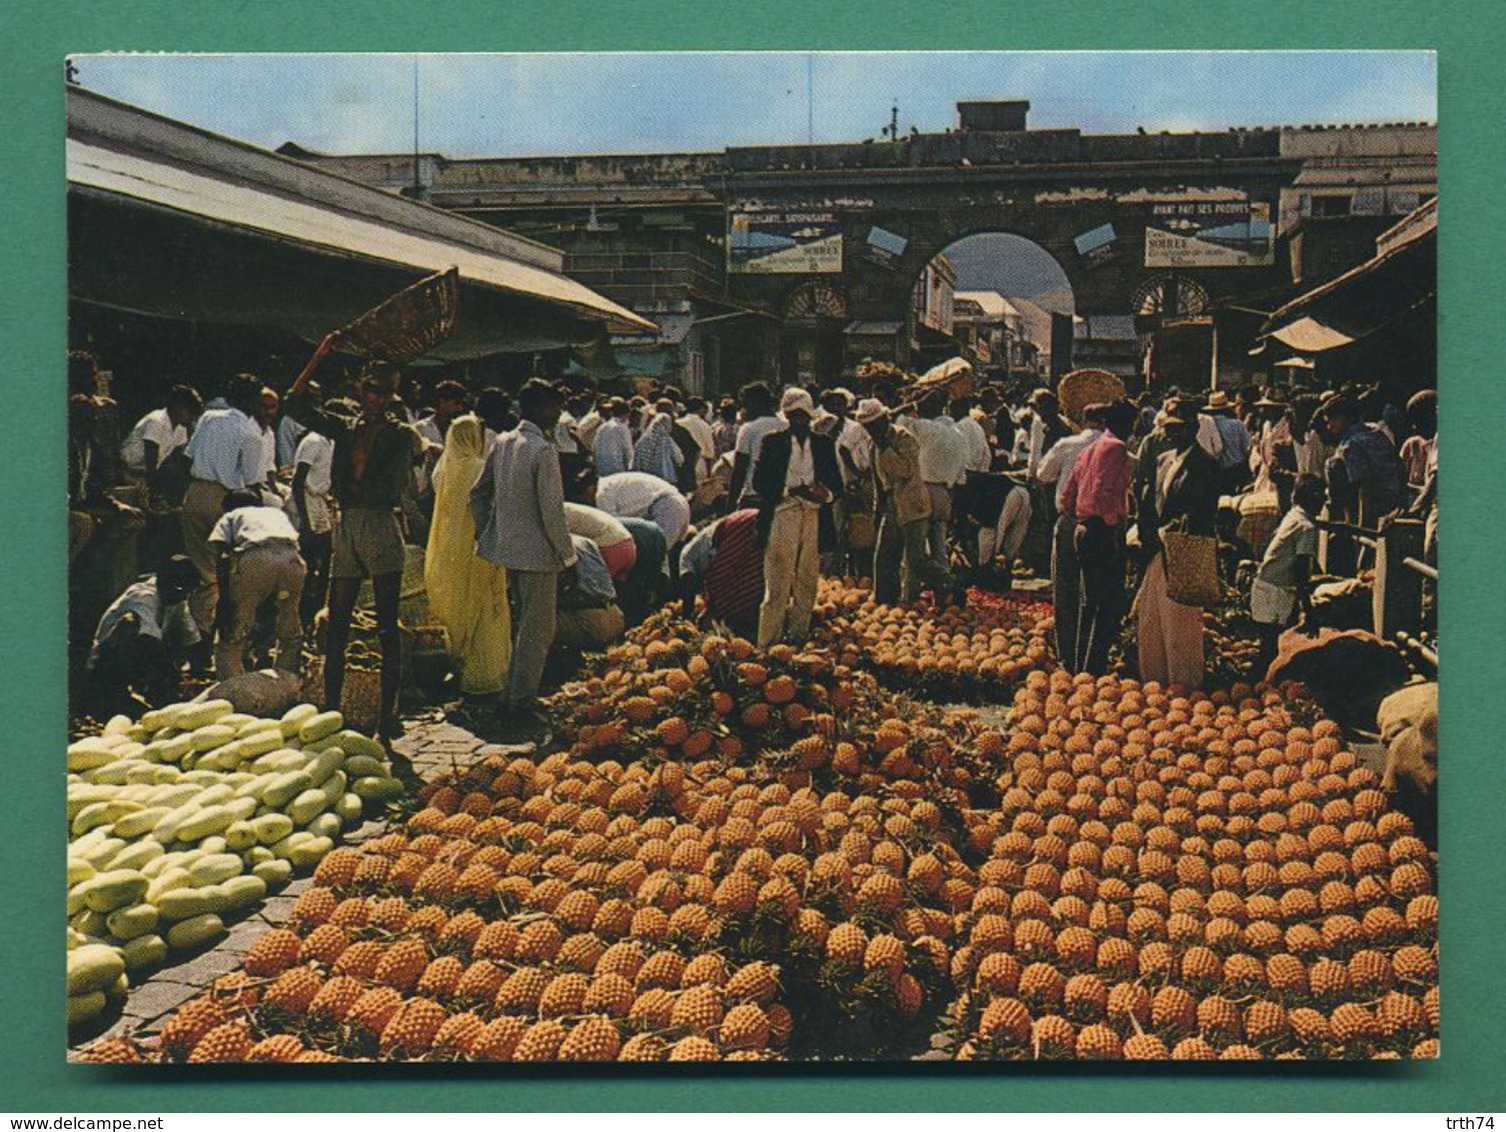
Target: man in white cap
795, 477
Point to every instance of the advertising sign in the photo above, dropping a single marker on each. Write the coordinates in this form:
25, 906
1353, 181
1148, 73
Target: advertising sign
884, 247
784, 242
1210, 234
1098, 245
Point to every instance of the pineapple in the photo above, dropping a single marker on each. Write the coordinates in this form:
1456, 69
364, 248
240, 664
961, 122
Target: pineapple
498, 1040
227, 1042
273, 953
284, 1048
410, 1031
594, 1038
540, 1042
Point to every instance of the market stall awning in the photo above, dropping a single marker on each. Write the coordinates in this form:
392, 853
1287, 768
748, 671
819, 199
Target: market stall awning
1394, 284
1309, 336
217, 209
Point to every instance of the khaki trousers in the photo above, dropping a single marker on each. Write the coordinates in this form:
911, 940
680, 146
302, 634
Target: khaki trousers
535, 594
900, 555
203, 504
791, 574
269, 570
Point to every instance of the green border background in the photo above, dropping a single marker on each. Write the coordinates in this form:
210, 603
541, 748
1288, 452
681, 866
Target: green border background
1469, 38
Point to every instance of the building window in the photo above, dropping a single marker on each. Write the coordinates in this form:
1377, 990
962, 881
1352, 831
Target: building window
1330, 206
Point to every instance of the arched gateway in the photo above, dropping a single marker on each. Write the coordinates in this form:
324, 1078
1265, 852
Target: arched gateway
801, 258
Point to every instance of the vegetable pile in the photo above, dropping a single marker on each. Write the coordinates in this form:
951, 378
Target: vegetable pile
192, 814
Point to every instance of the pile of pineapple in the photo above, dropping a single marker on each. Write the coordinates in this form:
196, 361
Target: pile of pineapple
975, 653
754, 857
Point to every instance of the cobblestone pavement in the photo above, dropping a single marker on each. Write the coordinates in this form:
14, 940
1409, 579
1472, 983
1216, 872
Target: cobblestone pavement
433, 746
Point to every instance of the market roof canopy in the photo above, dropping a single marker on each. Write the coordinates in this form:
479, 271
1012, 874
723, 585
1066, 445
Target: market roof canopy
171, 221
1399, 279
1309, 336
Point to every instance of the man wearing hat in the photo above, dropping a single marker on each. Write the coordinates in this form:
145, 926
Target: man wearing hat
904, 510
1233, 441
372, 465
795, 477
1273, 456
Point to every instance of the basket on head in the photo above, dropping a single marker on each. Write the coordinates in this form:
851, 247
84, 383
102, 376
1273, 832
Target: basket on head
955, 376
1083, 387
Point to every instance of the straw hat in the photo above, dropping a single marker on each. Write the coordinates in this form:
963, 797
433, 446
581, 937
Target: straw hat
796, 400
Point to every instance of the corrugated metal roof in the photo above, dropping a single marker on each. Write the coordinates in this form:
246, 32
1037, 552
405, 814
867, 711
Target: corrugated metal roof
141, 175
1394, 244
672, 331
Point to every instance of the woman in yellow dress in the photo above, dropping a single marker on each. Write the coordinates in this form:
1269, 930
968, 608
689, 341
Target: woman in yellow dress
467, 593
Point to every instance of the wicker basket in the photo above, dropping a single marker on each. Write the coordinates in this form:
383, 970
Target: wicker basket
1083, 387
954, 376
360, 698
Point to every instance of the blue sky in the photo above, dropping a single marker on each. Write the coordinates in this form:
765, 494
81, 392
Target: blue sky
511, 105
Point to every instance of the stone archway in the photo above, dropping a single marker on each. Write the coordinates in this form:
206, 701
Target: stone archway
1022, 292
813, 315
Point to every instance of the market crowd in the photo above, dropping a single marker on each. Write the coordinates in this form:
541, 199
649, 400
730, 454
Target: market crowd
553, 516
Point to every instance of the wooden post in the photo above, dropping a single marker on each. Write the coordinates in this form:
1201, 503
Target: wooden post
1397, 601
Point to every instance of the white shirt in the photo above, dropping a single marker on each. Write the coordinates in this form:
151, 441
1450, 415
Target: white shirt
614, 447
595, 524
700, 431
802, 469
246, 527
585, 430
564, 438
318, 452
173, 624
943, 450
854, 440
1056, 465
227, 448
630, 494
1208, 436
750, 437
268, 452
979, 456
1035, 445
289, 433
429, 429
158, 428
1312, 454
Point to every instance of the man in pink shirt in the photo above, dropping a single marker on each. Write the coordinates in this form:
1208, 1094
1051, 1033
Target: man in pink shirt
1096, 498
